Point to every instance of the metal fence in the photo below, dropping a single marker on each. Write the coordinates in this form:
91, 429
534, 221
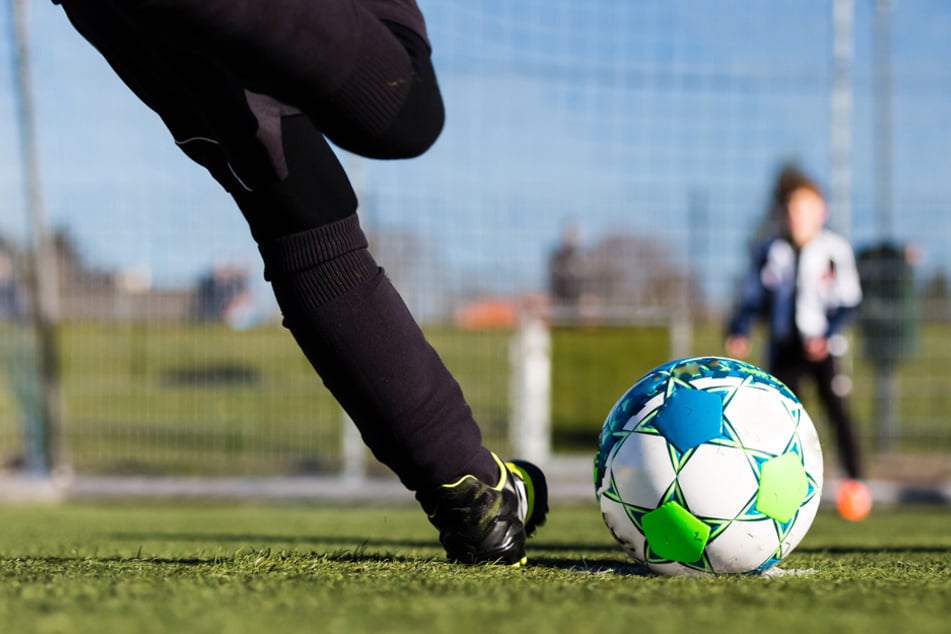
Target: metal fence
647, 132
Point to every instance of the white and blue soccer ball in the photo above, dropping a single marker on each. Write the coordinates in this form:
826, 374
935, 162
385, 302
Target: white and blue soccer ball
708, 465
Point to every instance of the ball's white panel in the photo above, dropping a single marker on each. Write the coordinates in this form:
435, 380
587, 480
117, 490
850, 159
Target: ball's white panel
812, 451
743, 546
716, 383
717, 482
644, 412
760, 418
616, 519
807, 513
642, 470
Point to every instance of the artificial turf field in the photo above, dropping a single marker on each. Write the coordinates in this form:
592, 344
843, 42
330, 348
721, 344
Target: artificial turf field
274, 568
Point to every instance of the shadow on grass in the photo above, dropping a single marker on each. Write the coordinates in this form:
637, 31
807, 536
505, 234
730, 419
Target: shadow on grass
353, 548
563, 556
335, 539
111, 559
355, 556
605, 566
250, 538
874, 550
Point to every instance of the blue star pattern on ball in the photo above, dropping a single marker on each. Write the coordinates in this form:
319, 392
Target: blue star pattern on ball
690, 417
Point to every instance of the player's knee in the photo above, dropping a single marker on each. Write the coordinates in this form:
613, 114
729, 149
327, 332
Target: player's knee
413, 138
409, 135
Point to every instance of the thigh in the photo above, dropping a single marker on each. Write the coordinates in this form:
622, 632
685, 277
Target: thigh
206, 110
366, 82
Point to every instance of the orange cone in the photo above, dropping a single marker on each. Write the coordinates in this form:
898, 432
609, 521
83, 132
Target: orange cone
853, 500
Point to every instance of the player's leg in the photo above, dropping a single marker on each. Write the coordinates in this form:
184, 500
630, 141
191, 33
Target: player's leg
302, 211
351, 322
787, 364
367, 83
181, 89
362, 340
360, 337
825, 372
343, 311
852, 496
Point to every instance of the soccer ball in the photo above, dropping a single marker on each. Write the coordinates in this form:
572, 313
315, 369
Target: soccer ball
708, 465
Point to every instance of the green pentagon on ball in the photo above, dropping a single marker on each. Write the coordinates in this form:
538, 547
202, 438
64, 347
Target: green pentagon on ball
674, 534
782, 488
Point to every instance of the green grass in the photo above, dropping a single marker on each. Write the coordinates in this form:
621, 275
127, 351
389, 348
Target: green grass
189, 568
591, 369
144, 399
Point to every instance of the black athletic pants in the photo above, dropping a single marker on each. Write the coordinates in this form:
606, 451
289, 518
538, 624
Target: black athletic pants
221, 74
789, 365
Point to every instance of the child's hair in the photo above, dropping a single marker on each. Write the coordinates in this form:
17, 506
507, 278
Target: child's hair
789, 180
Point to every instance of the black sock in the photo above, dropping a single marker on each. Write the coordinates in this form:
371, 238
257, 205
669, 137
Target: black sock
360, 337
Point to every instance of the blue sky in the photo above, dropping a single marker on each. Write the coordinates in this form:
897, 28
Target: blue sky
612, 114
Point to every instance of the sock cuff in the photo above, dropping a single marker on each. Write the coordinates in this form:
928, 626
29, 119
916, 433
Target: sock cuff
299, 251
321, 264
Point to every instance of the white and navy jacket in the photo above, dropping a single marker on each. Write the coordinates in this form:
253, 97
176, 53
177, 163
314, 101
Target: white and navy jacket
806, 293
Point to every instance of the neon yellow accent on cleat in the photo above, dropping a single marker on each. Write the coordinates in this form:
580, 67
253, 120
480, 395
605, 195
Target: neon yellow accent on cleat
503, 473
529, 489
452, 485
457, 482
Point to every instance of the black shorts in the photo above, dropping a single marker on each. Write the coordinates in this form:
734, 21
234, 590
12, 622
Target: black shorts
226, 115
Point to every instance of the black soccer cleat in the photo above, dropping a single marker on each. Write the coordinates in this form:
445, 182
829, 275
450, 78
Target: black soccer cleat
479, 523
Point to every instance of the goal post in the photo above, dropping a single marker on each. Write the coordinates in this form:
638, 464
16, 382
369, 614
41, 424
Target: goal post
530, 401
530, 366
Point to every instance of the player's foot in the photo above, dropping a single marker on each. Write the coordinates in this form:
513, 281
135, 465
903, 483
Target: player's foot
853, 500
480, 523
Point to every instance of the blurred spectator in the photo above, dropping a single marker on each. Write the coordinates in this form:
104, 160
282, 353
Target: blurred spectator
222, 295
9, 298
566, 274
805, 284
